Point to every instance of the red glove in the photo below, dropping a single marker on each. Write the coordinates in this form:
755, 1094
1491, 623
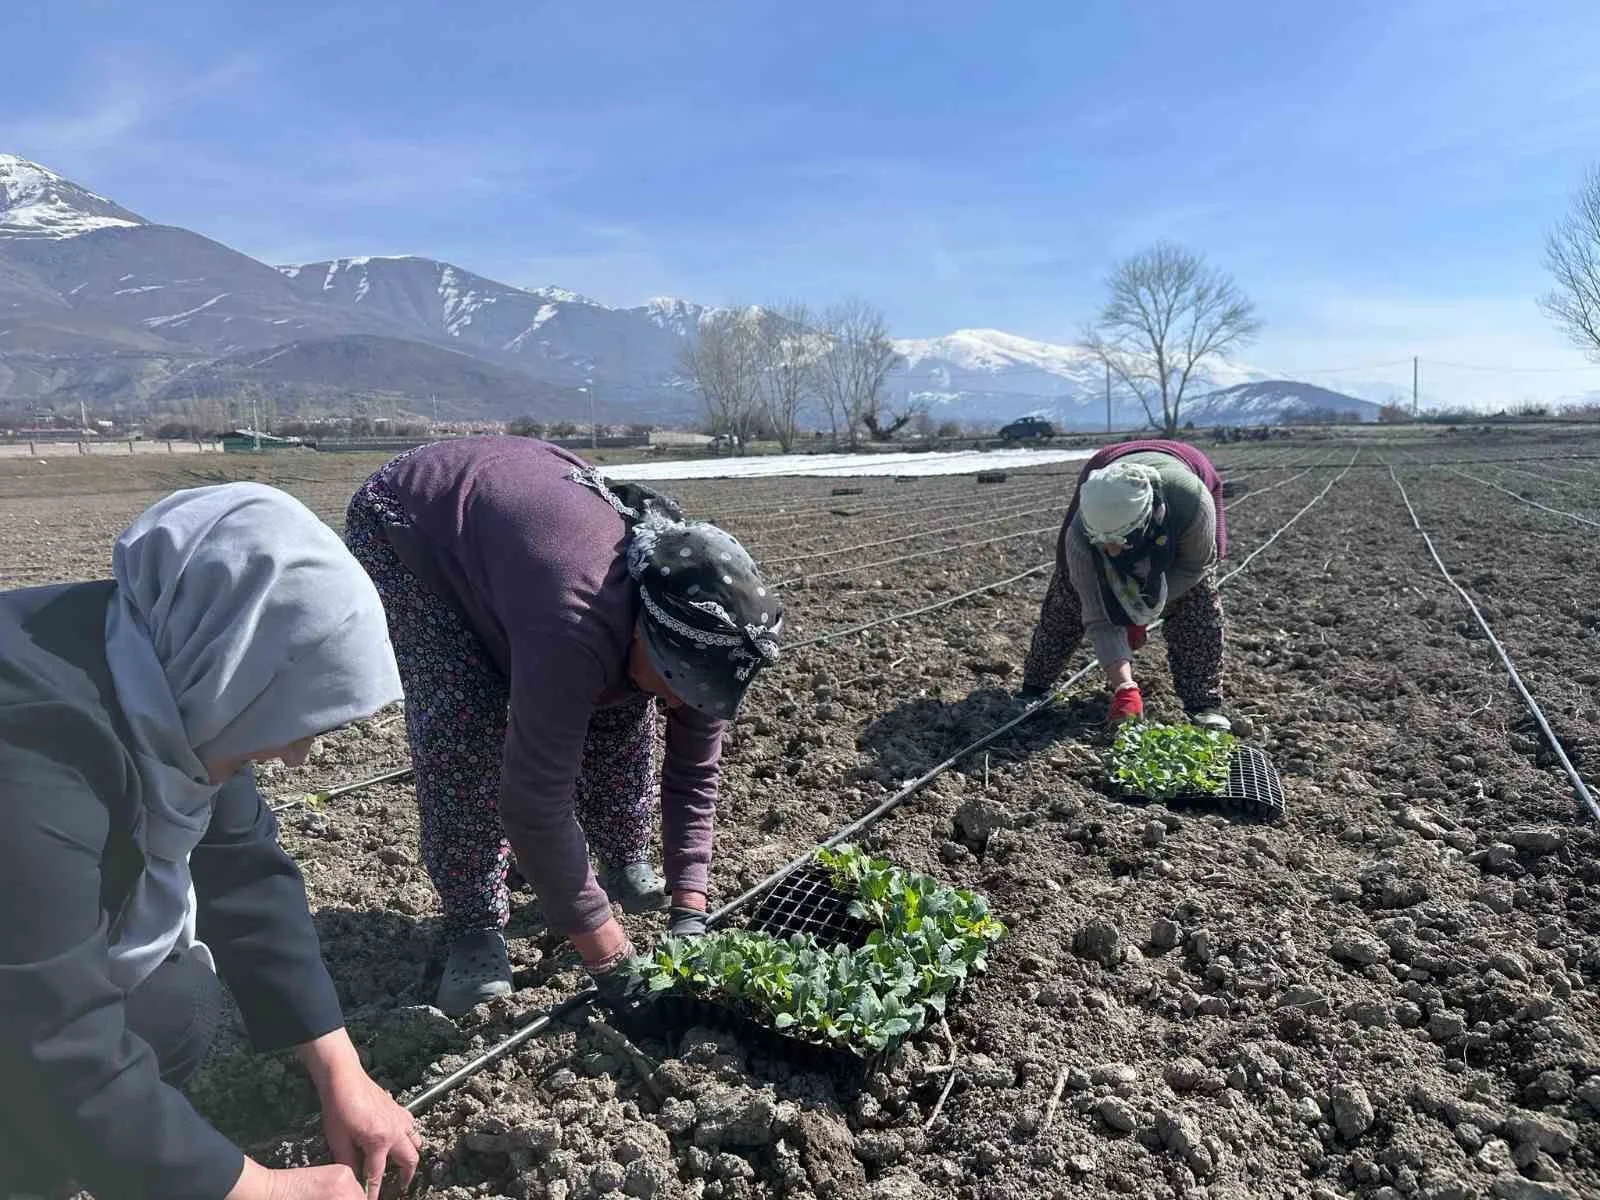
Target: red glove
1126, 705
1135, 636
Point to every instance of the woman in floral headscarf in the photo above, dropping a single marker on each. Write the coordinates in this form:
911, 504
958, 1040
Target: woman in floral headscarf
1141, 541
538, 614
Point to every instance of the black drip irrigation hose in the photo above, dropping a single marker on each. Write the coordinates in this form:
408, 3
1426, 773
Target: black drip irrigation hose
833, 635
900, 558
581, 999
761, 534
1516, 680
344, 789
1010, 515
911, 535
1251, 557
425, 1100
1526, 500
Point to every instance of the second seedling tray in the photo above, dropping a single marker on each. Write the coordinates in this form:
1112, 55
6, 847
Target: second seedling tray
1254, 787
805, 901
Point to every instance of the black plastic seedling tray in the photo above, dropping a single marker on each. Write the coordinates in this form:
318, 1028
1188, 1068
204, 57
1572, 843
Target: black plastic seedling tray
670, 1015
804, 901
807, 902
1254, 787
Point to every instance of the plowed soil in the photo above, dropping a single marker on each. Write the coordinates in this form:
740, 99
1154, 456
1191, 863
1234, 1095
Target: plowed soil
1391, 992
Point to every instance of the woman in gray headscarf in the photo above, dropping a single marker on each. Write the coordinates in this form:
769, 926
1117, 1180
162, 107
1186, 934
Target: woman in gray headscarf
139, 861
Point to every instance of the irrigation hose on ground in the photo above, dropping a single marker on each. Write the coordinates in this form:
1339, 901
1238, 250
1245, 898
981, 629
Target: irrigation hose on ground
576, 1002
1525, 499
315, 799
1516, 680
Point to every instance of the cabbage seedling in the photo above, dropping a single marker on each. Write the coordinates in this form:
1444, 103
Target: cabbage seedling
1164, 761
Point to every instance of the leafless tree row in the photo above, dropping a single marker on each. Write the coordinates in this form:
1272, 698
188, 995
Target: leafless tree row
768, 367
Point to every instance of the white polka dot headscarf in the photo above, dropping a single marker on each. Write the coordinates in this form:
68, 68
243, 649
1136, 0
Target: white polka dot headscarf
710, 623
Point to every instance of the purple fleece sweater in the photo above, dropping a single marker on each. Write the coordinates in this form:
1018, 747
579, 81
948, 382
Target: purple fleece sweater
534, 562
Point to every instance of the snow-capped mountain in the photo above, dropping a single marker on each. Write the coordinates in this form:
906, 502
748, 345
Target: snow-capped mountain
36, 202
1265, 401
986, 375
99, 304
550, 333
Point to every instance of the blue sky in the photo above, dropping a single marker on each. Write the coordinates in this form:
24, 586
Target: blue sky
1378, 176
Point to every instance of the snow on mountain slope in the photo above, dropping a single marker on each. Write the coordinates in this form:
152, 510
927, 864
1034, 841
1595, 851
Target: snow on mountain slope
1270, 400
990, 350
83, 280
550, 332
36, 202
985, 375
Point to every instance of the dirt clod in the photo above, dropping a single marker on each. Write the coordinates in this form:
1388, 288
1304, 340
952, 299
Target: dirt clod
1352, 1110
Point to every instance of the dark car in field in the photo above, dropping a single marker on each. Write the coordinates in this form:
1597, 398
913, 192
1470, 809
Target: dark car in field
1026, 429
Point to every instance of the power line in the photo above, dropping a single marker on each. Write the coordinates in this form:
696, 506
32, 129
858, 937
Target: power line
1434, 362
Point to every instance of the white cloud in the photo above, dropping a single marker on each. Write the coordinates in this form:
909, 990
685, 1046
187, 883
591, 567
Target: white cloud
127, 98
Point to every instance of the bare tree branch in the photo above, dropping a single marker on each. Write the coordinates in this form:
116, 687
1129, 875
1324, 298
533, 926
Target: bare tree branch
853, 362
788, 345
1166, 314
724, 361
1572, 256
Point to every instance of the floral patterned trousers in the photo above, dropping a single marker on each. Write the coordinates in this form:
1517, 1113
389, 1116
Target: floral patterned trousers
1192, 624
457, 703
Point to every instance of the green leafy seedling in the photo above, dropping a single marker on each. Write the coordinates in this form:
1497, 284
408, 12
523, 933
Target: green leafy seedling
929, 938
1164, 761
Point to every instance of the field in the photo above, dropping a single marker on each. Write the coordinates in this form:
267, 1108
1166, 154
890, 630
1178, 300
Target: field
1390, 993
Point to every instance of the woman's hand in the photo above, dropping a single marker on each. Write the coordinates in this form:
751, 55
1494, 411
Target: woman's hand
687, 917
1126, 704
365, 1129
299, 1183
602, 948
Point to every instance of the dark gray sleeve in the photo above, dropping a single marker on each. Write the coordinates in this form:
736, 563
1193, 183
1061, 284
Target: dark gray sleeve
254, 918
65, 1047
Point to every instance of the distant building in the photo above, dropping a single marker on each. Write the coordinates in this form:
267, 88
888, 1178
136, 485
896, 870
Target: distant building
250, 441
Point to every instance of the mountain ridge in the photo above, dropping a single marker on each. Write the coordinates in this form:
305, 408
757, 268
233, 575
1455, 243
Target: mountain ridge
100, 304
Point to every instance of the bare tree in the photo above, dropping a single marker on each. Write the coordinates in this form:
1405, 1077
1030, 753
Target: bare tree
1168, 312
1572, 256
787, 346
724, 361
882, 428
851, 365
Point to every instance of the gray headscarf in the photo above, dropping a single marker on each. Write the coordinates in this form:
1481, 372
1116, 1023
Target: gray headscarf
241, 624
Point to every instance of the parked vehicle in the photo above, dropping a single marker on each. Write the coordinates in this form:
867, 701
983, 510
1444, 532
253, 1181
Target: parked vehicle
1027, 429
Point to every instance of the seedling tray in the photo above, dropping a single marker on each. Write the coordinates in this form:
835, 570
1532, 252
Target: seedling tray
805, 901
670, 1015
1254, 787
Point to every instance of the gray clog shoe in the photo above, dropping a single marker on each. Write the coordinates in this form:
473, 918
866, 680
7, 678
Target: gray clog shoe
635, 886
477, 969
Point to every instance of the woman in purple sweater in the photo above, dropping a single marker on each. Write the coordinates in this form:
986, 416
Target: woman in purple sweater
537, 614
1141, 540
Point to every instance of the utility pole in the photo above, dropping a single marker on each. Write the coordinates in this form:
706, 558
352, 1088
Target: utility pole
594, 429
255, 421
1108, 397
1415, 370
